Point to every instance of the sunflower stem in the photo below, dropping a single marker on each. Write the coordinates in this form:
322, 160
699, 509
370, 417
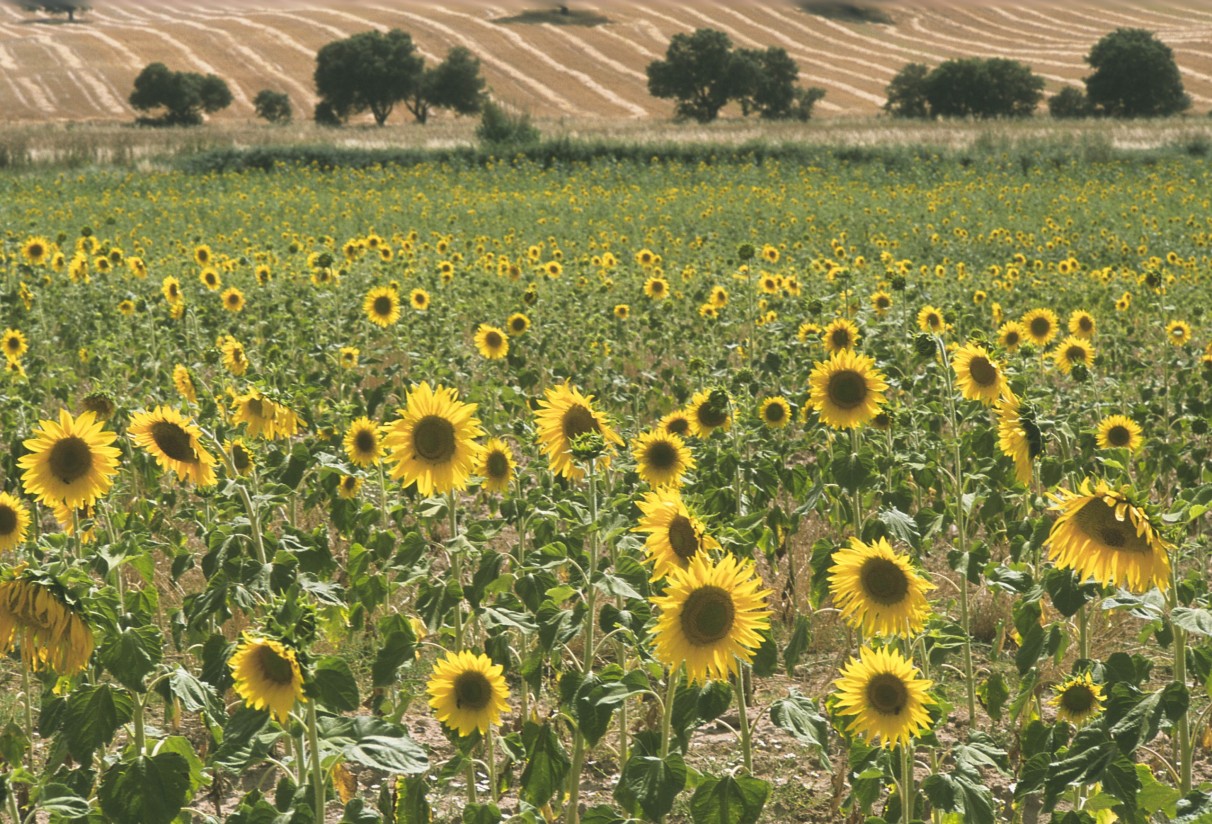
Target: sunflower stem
491, 754
140, 736
1180, 676
26, 700
382, 496
456, 567
590, 592
1083, 641
742, 711
671, 691
317, 764
908, 795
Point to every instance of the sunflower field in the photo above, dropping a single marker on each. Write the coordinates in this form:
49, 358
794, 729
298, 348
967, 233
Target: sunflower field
607, 492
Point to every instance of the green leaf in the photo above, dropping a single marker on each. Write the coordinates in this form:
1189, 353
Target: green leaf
145, 790
412, 803
993, 694
1067, 592
487, 813
1140, 724
1155, 797
132, 654
398, 754
729, 800
900, 526
239, 747
798, 642
1121, 781
92, 716
798, 715
604, 814
651, 784
1084, 763
195, 695
547, 763
333, 683
1196, 621
60, 799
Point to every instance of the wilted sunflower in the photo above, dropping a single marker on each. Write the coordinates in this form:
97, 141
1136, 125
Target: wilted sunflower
676, 422
656, 288
885, 696
661, 458
267, 676
184, 383
432, 443
1078, 699
173, 440
71, 462
263, 416
349, 486
675, 536
1072, 351
496, 465
562, 415
711, 616
492, 342
468, 692
1041, 326
775, 412
362, 443
1118, 431
1178, 332
517, 324
1018, 436
840, 335
1101, 534
14, 521
241, 456
931, 321
1081, 323
36, 250
419, 299
14, 344
878, 590
382, 306
38, 615
847, 390
1010, 335
233, 299
978, 375
709, 410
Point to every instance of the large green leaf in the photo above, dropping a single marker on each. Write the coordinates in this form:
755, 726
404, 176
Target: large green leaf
92, 717
798, 715
333, 683
547, 763
729, 800
60, 799
374, 742
651, 784
145, 790
132, 654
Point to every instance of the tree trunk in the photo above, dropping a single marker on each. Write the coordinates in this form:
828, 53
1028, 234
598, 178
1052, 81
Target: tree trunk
71, 15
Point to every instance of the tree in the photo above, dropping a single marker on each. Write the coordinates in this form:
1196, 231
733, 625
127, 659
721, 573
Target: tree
454, 84
907, 92
764, 82
500, 129
184, 96
370, 70
983, 88
1069, 102
69, 7
1135, 75
696, 72
273, 106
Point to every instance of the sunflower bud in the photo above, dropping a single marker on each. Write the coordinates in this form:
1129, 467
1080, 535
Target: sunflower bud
1153, 280
925, 346
101, 404
746, 251
898, 283
1080, 373
814, 307
587, 446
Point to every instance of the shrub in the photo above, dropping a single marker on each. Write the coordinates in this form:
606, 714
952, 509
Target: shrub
983, 88
455, 83
184, 96
499, 128
907, 92
273, 106
1135, 75
1069, 102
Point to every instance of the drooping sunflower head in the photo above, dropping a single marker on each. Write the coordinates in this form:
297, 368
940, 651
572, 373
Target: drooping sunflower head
709, 410
14, 344
931, 321
847, 390
661, 458
840, 335
1073, 351
1081, 324
1011, 335
1078, 699
173, 440
432, 443
775, 412
1178, 332
496, 465
468, 692
382, 306
711, 617
38, 615
14, 521
1101, 534
1119, 432
517, 324
1041, 326
675, 536
885, 697
978, 375
492, 342
878, 590
1018, 436
241, 456
264, 416
71, 461
362, 442
235, 360
267, 676
100, 403
562, 415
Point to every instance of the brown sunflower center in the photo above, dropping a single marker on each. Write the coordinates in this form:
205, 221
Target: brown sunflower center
433, 438
472, 691
933, 321
493, 340
1075, 354
678, 426
497, 464
707, 616
683, 537
840, 338
657, 287
887, 694
1119, 435
578, 420
847, 389
1097, 520
241, 458
36, 250
884, 581
1040, 327
365, 441
8, 520
70, 459
382, 306
233, 300
1011, 338
983, 372
1085, 323
883, 302
1078, 699
275, 668
661, 455
775, 412
12, 343
518, 325
256, 408
711, 416
173, 441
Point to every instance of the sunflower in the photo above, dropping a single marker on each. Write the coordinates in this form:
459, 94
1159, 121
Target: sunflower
349, 486
1115, 431
719, 297
930, 320
1081, 323
1078, 699
562, 415
675, 536
1101, 534
184, 383
496, 465
979, 376
241, 456
881, 302
348, 357
1178, 332
517, 324
840, 336
362, 443
676, 422
622, 311
36, 250
203, 255
878, 590
882, 692
847, 390
1018, 436
656, 288
235, 360
711, 614
126, 307
382, 306
661, 458
173, 440
14, 344
71, 462
492, 342
233, 300
432, 442
263, 416
171, 288
775, 412
709, 410
211, 279
1041, 326
37, 614
1072, 351
100, 403
419, 299
1010, 335
14, 520
468, 692
267, 676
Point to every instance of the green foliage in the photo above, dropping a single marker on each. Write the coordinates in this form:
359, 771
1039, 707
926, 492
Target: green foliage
370, 70
907, 92
184, 96
273, 106
1070, 102
1135, 75
500, 129
983, 88
148, 790
454, 84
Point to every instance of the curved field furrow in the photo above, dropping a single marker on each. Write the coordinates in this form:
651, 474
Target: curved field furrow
845, 35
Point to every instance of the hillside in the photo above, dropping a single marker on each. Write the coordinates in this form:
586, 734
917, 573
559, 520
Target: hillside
53, 70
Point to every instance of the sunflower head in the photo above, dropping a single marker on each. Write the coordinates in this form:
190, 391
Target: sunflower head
362, 442
839, 335
496, 465
978, 375
71, 461
1081, 324
1019, 437
100, 403
14, 344
675, 536
492, 342
847, 390
1078, 699
709, 410
775, 412
1178, 332
517, 324
1074, 351
884, 697
468, 692
382, 306
432, 443
661, 458
349, 486
562, 416
14, 521
419, 300
267, 675
1041, 326
174, 442
1119, 432
1011, 335
38, 614
931, 321
878, 590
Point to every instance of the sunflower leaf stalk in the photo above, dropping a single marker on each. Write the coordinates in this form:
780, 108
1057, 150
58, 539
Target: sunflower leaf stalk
317, 763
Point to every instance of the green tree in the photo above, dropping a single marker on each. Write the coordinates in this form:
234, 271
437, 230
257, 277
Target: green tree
1135, 75
1069, 102
983, 88
69, 7
370, 70
696, 72
907, 92
764, 82
455, 83
273, 106
184, 96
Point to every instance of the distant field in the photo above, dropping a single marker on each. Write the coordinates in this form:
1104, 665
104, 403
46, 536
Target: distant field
84, 71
